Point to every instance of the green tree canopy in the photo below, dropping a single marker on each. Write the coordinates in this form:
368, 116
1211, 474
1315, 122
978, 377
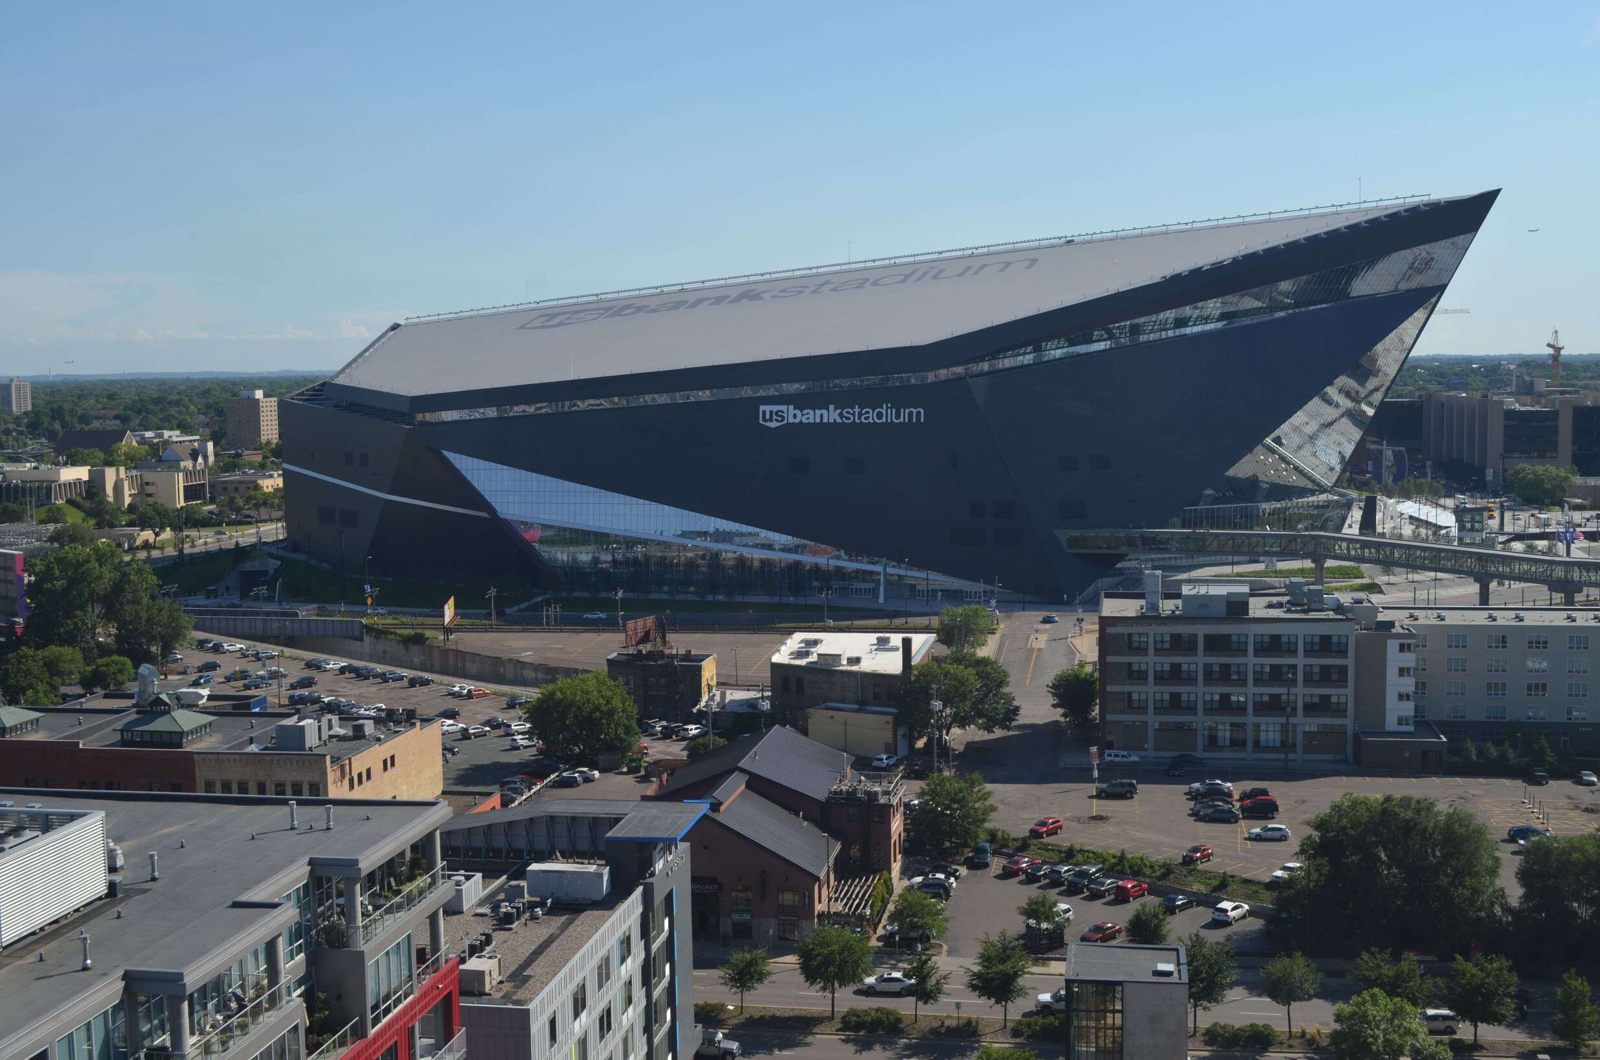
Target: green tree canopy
915, 913
966, 628
1375, 1026
1558, 916
1041, 909
956, 808
1290, 979
1149, 925
974, 691
1484, 990
928, 982
1540, 483
1211, 974
833, 957
744, 971
1075, 693
82, 594
585, 716
1377, 969
1395, 870
34, 676
126, 454
1577, 1019
85, 458
998, 975
107, 672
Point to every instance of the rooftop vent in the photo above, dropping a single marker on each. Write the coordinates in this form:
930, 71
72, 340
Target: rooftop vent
884, 640
1166, 970
1493, 617
1517, 617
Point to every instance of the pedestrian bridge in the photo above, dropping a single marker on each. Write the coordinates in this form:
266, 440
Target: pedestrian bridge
1565, 575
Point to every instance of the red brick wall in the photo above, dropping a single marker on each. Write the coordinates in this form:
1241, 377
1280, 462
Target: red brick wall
68, 764
734, 860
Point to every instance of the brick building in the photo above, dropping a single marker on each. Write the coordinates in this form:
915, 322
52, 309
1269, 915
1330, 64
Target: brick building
864, 669
665, 684
252, 420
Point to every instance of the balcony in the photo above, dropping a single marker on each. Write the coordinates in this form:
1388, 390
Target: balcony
870, 787
454, 1049
410, 896
218, 1040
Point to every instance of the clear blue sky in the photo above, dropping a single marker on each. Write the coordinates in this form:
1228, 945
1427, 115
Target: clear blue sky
223, 187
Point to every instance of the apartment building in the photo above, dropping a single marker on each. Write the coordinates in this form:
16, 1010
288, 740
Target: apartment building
252, 420
17, 396
180, 925
604, 971
1484, 672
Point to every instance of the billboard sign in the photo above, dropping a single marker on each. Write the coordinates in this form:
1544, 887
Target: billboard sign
449, 612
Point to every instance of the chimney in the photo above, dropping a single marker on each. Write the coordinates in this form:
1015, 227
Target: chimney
1152, 592
905, 656
328, 816
155, 866
294, 816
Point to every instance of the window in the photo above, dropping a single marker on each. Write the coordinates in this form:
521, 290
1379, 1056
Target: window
362, 459
1455, 688
1422, 664
1455, 664
1138, 642
1403, 671
552, 1032
1538, 642
1497, 642
1402, 721
93, 1040
1422, 688
975, 509
624, 949
1455, 640
580, 1001
1577, 713
1495, 689
1577, 690
1537, 664
1538, 689
1003, 510
1099, 462
297, 789
1577, 642
1456, 712
602, 976
1494, 664
1096, 1022
605, 1022
389, 978
349, 458
1422, 640
1406, 647
1577, 664
1494, 712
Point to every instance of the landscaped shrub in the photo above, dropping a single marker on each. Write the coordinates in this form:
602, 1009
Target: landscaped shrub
965, 1027
1051, 1028
710, 1012
876, 1020
1257, 1036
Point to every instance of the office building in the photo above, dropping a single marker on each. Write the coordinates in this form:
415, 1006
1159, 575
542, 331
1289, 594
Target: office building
244, 483
874, 422
17, 396
829, 669
606, 971
1127, 1002
252, 420
665, 683
168, 925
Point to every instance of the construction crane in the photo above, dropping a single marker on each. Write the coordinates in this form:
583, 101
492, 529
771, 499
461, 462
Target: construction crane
1555, 348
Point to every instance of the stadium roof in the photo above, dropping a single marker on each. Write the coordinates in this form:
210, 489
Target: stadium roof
884, 304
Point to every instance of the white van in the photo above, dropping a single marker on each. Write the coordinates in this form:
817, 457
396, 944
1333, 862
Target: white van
1126, 758
1439, 1020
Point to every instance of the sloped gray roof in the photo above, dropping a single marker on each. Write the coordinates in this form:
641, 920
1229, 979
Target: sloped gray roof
786, 834
729, 787
11, 717
780, 755
884, 304
657, 822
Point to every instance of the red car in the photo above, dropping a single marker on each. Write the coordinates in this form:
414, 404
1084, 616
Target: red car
1104, 931
478, 693
1019, 863
1045, 826
1196, 854
1129, 890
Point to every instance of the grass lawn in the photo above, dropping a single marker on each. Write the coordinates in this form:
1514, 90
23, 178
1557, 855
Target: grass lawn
1330, 572
194, 574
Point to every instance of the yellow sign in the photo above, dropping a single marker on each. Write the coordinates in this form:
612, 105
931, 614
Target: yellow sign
449, 612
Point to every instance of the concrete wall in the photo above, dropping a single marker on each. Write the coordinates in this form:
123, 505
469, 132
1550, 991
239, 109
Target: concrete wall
68, 764
855, 732
435, 658
1154, 1021
278, 630
408, 765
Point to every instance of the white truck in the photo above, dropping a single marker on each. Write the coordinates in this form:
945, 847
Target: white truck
715, 1044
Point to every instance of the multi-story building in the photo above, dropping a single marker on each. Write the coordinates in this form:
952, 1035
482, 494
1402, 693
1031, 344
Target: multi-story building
606, 971
1485, 672
864, 669
1127, 1002
793, 837
665, 684
252, 420
42, 483
162, 747
180, 925
244, 483
17, 396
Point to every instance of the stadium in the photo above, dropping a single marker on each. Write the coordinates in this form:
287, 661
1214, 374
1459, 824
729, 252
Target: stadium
920, 425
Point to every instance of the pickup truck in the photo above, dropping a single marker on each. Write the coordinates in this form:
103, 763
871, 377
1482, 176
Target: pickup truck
713, 1043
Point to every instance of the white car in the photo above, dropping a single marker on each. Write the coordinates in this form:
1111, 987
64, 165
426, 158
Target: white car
518, 727
174, 657
231, 647
1588, 779
1284, 873
450, 728
1229, 912
596, 616
585, 774
329, 665
1064, 911
885, 761
458, 690
1271, 833
475, 731
896, 983
520, 742
263, 656
1048, 1003
1127, 758
691, 732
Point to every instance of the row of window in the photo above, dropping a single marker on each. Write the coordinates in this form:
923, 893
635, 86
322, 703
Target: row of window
1238, 643
1501, 641
1457, 711
1277, 673
228, 787
1139, 702
1498, 689
346, 518
1497, 664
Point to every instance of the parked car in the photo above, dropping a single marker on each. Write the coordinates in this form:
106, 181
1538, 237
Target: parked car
1049, 620
1036, 872
390, 676
691, 732
1284, 873
1046, 1004
885, 761
587, 775
518, 702
1186, 761
1105, 931
303, 682
230, 647
1100, 886
1081, 877
518, 743
568, 780
955, 872
1588, 779
475, 731
1271, 833
173, 657
1520, 832
1229, 912
1176, 903
1045, 826
203, 679
596, 616
1439, 1020
1264, 806
419, 680
1018, 864
264, 654
982, 856
458, 690
1198, 853
1254, 793
938, 888
1118, 789
518, 727
204, 644
210, 666
1206, 789
1131, 890
1119, 758
1216, 814
1538, 777
255, 683
897, 983
1058, 873
478, 693
450, 712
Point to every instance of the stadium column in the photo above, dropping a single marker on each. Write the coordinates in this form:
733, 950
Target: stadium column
1483, 591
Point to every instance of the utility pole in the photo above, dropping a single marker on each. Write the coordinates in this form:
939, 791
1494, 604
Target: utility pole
491, 594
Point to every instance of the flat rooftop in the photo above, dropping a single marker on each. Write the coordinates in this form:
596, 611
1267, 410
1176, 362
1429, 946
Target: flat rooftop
1582, 619
1126, 963
535, 951
1131, 605
877, 653
213, 850
230, 730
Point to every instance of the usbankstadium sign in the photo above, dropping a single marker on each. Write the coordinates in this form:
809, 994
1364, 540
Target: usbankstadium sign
790, 415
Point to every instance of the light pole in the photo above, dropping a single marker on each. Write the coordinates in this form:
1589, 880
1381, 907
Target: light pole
936, 707
490, 595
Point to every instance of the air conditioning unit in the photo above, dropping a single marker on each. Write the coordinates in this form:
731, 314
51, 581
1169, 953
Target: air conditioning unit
480, 975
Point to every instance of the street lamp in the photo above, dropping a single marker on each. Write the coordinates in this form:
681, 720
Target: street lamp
936, 707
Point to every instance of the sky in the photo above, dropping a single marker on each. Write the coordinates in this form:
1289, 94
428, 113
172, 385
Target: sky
258, 187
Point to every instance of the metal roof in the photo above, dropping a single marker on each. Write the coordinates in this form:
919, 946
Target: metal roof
780, 755
786, 834
887, 304
1126, 963
657, 822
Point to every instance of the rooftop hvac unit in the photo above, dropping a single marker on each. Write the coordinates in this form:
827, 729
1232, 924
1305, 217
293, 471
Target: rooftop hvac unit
853, 660
829, 658
884, 640
466, 889
480, 975
810, 642
361, 728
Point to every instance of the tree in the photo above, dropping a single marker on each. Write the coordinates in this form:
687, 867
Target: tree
85, 458
928, 983
1210, 974
1540, 484
703, 745
746, 970
998, 974
124, 454
585, 717
34, 676
916, 914
1375, 1026
1396, 870
1557, 919
1041, 909
1376, 969
106, 672
1148, 925
965, 628
956, 809
974, 692
72, 534
1075, 693
1540, 754
1290, 979
1577, 1019
1484, 990
832, 957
